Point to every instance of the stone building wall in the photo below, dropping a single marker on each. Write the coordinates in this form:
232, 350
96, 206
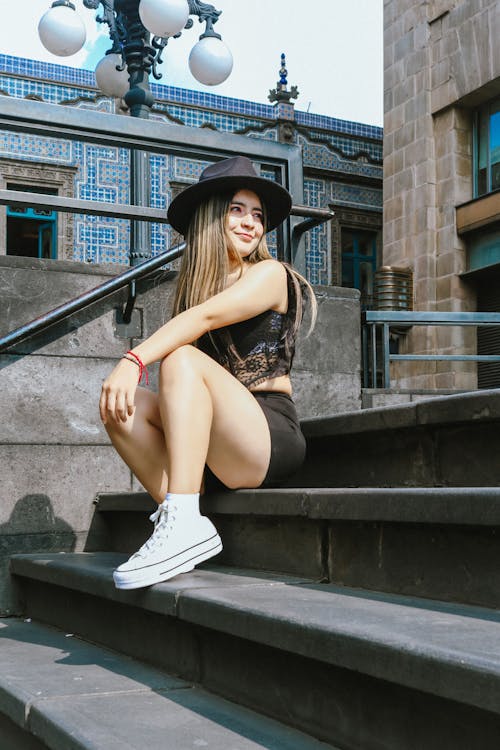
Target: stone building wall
441, 60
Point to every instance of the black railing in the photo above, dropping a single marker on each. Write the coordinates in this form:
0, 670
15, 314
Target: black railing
126, 278
88, 298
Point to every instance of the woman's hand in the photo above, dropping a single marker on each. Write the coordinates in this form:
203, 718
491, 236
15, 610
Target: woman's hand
118, 392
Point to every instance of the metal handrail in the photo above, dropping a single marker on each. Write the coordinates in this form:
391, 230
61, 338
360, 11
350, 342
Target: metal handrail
42, 201
122, 210
121, 280
89, 298
385, 319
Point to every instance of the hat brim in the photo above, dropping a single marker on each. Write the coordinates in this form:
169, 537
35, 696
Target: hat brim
275, 198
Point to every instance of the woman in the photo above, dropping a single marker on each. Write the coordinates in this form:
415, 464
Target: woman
224, 392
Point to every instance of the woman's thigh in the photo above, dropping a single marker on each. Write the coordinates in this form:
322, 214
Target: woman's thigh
240, 443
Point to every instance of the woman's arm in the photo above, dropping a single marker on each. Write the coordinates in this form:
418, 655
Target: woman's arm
261, 288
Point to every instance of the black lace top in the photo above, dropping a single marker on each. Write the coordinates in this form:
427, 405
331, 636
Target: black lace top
258, 348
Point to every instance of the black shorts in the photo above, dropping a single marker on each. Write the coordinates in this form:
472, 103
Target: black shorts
288, 445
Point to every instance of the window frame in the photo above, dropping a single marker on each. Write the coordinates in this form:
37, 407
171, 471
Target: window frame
41, 176
358, 258
482, 112
43, 217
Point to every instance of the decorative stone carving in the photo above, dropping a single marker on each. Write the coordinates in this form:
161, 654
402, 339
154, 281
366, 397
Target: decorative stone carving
286, 132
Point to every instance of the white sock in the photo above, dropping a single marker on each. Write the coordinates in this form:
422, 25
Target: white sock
185, 501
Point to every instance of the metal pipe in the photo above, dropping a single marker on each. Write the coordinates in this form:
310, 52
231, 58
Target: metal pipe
313, 213
386, 355
385, 319
118, 210
129, 304
374, 355
78, 206
316, 217
90, 297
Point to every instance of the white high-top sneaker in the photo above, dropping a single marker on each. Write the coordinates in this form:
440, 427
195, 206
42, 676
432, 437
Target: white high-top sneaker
181, 539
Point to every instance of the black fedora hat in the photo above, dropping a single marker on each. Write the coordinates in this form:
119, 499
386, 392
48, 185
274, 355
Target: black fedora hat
235, 173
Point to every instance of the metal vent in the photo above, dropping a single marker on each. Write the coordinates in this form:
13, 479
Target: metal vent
393, 288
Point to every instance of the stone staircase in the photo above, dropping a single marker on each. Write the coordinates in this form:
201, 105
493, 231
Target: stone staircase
356, 609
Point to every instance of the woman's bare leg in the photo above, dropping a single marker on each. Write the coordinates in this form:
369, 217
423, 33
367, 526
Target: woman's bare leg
209, 417
202, 414
140, 441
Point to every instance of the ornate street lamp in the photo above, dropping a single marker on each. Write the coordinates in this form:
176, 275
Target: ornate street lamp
139, 31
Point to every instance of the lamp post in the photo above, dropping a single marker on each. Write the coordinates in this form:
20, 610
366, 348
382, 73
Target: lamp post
139, 31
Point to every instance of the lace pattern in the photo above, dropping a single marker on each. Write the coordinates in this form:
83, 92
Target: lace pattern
255, 349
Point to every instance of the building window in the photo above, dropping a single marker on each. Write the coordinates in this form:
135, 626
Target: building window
31, 232
359, 258
487, 149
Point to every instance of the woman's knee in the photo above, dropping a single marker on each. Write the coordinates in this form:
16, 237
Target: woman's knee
145, 411
182, 362
116, 428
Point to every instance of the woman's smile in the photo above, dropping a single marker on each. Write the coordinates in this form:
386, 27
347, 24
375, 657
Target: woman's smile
244, 224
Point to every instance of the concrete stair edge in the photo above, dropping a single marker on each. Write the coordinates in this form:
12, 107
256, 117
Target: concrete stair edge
447, 650
434, 543
72, 695
476, 406
428, 505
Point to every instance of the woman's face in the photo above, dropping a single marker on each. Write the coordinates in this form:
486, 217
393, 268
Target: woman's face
244, 223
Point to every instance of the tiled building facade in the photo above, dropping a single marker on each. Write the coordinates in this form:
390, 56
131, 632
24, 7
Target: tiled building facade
342, 163
441, 151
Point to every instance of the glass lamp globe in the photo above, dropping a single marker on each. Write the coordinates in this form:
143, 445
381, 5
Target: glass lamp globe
164, 17
112, 82
61, 30
210, 61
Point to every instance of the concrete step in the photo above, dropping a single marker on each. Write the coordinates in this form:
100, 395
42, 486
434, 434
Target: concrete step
360, 670
447, 441
58, 692
372, 398
440, 543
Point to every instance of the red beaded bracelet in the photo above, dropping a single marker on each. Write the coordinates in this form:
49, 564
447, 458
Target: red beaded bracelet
143, 370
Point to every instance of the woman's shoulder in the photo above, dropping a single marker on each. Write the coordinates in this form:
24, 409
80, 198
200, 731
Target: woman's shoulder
268, 268
270, 274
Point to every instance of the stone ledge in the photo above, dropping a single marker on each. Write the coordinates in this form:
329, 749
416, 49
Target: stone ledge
62, 266
442, 649
73, 695
477, 506
477, 406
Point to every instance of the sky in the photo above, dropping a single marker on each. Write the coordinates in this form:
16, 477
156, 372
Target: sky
333, 50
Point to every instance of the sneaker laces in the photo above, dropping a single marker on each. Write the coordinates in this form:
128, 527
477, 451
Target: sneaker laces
163, 519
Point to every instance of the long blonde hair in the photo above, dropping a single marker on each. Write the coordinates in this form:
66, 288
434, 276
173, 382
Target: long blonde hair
205, 262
